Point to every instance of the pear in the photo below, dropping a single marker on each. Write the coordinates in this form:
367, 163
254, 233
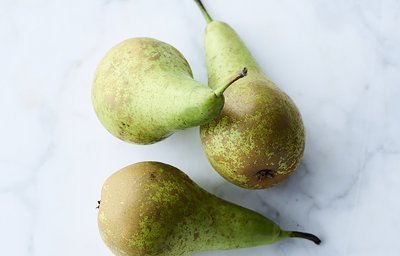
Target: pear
144, 90
151, 208
258, 139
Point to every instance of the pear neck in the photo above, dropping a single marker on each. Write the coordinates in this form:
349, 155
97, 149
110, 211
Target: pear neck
226, 53
220, 90
237, 227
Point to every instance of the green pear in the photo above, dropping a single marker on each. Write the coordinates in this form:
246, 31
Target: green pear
151, 208
258, 139
144, 90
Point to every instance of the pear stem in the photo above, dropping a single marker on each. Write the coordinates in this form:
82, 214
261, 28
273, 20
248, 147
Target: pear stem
307, 236
222, 89
204, 11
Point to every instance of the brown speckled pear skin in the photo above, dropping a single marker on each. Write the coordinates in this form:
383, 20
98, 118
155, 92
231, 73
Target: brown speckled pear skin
143, 91
257, 140
154, 209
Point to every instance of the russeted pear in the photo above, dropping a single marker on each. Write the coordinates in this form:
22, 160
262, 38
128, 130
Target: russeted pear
154, 209
258, 139
144, 90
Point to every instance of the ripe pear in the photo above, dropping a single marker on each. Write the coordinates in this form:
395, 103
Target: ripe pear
151, 208
258, 139
144, 90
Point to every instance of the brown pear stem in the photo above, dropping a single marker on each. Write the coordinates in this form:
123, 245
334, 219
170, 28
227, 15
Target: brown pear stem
220, 90
307, 236
204, 11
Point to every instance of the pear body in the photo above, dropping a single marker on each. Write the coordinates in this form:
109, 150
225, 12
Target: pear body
258, 139
151, 208
143, 91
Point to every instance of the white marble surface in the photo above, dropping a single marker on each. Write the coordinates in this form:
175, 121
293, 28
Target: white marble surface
339, 61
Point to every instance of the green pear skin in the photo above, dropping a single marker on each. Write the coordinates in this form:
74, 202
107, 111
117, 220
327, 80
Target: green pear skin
257, 140
143, 91
151, 208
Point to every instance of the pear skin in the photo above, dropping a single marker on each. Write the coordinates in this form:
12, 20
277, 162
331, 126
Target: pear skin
258, 139
151, 208
144, 90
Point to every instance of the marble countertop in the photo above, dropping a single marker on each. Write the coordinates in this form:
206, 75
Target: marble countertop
338, 60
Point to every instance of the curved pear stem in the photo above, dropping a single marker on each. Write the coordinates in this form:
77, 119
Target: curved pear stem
307, 236
222, 89
204, 11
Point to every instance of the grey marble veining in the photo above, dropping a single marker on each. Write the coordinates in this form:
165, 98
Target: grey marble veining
338, 60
